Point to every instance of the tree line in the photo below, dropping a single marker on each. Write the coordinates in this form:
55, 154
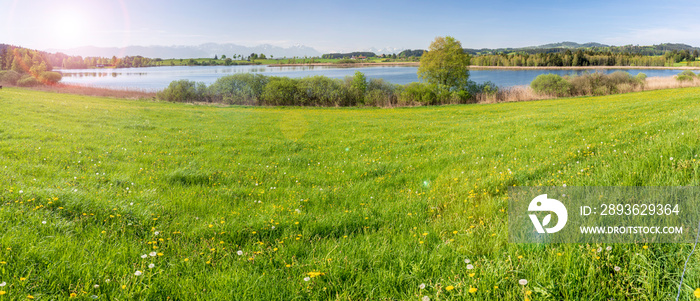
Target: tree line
582, 58
26, 67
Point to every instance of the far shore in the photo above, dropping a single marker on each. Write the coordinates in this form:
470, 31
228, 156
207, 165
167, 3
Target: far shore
416, 64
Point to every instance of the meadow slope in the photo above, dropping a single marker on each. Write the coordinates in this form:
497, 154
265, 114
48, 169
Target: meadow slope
125, 200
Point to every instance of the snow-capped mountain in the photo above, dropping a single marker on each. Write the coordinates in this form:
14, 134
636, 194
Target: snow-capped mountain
200, 51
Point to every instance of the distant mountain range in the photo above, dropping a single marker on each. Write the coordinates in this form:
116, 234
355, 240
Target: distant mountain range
211, 49
572, 45
185, 52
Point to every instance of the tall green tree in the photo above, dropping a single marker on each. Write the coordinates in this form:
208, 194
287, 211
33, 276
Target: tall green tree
445, 64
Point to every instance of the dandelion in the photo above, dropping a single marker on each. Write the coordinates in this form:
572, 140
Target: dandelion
144, 256
608, 248
472, 290
138, 273
671, 158
156, 233
449, 288
3, 283
697, 293
153, 254
470, 267
240, 253
96, 286
107, 281
94, 297
522, 281
22, 278
425, 298
422, 286
43, 222
2, 293
617, 268
315, 274
467, 260
307, 278
150, 266
30, 297
73, 295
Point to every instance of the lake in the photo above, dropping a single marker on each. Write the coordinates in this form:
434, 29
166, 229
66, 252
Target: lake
157, 78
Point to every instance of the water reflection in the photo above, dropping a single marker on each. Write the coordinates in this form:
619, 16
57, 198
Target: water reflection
69, 74
160, 77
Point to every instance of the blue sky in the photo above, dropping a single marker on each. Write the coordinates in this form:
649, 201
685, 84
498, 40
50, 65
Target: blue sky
345, 25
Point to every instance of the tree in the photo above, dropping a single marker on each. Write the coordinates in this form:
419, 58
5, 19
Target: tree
216, 57
445, 64
223, 56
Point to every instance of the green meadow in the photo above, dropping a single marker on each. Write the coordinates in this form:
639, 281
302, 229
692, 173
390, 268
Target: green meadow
137, 200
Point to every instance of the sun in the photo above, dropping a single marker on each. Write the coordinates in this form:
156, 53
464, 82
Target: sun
69, 28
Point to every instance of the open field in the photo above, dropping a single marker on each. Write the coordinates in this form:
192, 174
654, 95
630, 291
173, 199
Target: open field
242, 203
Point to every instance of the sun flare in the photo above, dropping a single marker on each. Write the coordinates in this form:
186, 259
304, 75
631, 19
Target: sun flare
69, 28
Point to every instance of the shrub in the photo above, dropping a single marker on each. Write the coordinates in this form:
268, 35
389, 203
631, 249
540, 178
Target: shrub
321, 91
244, 88
487, 88
641, 77
181, 91
418, 93
686, 76
380, 93
359, 86
280, 91
28, 81
50, 77
551, 84
10, 77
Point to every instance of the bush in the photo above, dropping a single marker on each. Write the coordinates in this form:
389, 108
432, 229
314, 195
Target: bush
641, 77
358, 85
551, 84
280, 91
321, 91
418, 93
182, 91
10, 77
380, 93
244, 88
50, 77
488, 88
28, 81
686, 76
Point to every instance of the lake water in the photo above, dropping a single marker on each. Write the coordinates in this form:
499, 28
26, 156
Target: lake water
156, 78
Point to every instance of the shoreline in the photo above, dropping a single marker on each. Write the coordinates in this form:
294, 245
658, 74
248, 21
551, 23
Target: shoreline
474, 67
346, 65
581, 67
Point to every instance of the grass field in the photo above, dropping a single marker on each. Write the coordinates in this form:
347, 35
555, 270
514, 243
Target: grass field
128, 200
